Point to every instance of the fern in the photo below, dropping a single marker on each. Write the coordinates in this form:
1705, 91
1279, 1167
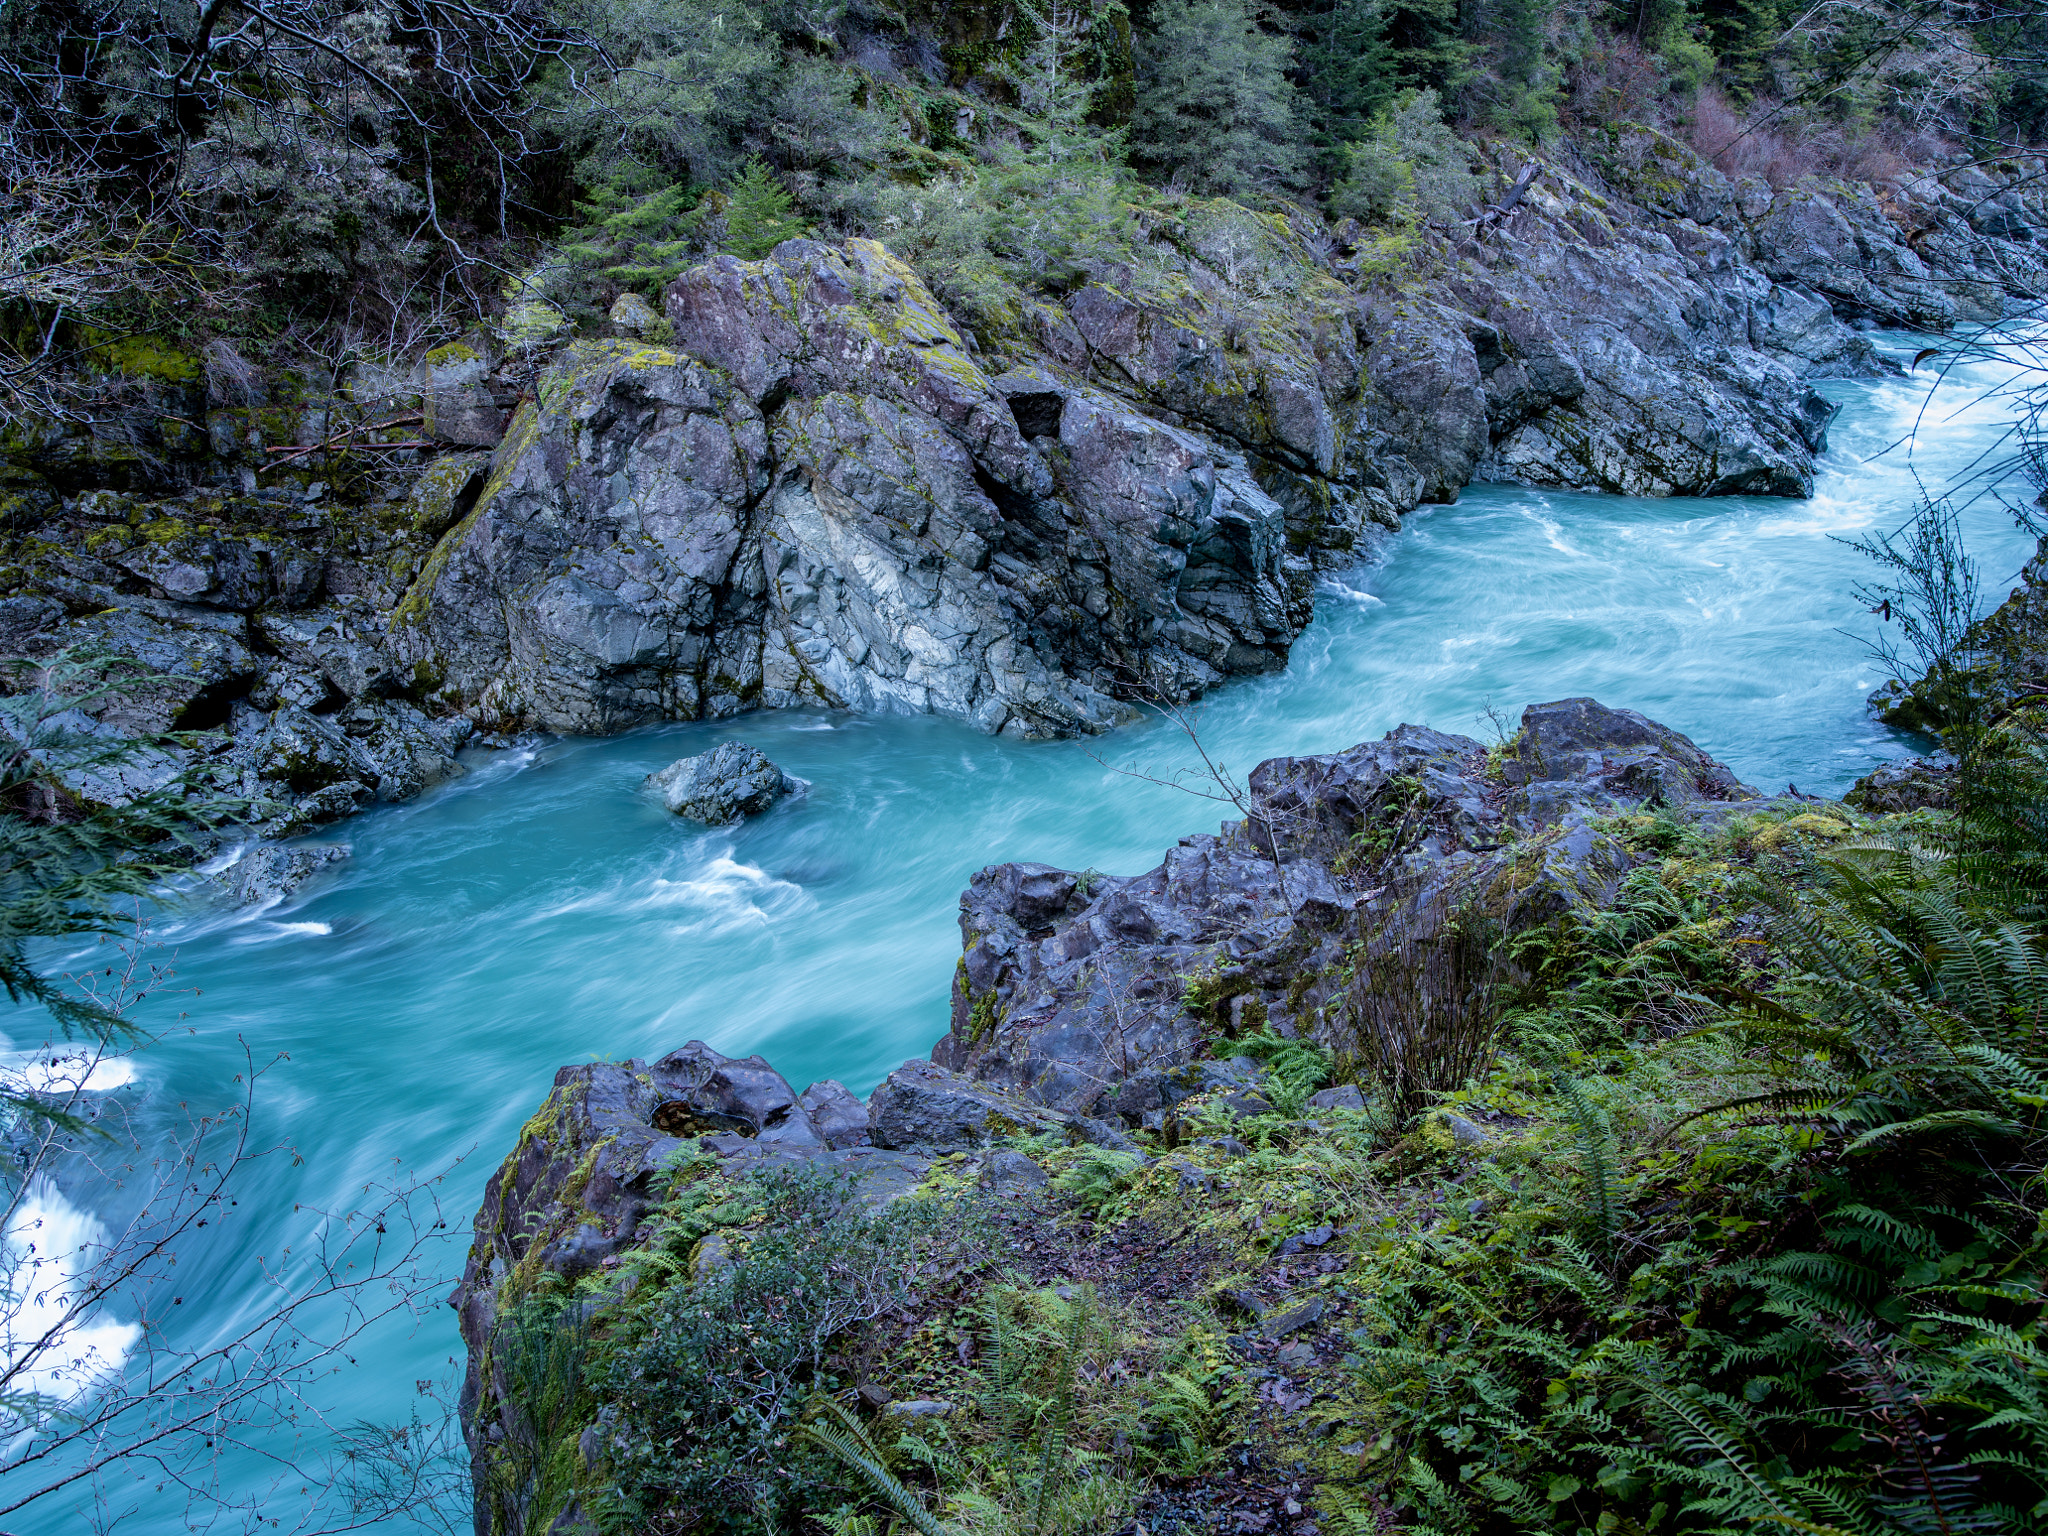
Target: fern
1596, 1144
842, 1435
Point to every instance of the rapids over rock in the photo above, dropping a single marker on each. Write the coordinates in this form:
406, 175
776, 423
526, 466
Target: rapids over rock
545, 907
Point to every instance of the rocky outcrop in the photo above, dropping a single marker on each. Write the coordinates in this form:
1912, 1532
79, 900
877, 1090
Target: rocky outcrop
1996, 668
1907, 784
730, 781
822, 497
1089, 1008
822, 489
1090, 993
263, 874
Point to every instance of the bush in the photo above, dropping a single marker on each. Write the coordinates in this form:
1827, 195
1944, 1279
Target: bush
705, 1378
1412, 168
1216, 109
1774, 1272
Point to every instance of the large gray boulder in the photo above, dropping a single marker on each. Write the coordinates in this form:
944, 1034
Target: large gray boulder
730, 781
924, 1107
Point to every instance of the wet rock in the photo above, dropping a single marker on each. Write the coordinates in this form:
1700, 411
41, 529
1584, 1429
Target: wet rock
839, 1117
730, 781
307, 752
924, 1106
1600, 756
199, 662
407, 751
264, 873
701, 1092
1906, 784
1099, 995
351, 655
842, 509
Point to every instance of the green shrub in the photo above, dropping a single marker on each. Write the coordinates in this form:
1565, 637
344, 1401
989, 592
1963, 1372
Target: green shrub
702, 1380
1775, 1272
1411, 167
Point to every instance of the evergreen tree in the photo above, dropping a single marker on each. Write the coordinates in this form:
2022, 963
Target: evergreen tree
1424, 43
89, 821
758, 213
637, 240
1349, 68
1055, 197
1215, 105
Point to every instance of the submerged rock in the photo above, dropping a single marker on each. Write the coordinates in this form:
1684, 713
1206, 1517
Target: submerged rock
265, 872
730, 781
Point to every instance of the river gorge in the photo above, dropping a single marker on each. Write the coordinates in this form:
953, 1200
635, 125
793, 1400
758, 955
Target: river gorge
543, 909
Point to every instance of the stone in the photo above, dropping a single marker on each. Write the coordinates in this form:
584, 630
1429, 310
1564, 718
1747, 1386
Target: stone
1314, 1237
1011, 1173
1607, 755
263, 874
723, 785
701, 1092
923, 1106
919, 1408
1075, 991
1905, 784
839, 1117
1463, 1132
633, 315
1343, 1096
455, 397
1278, 1325
1244, 1106
711, 1260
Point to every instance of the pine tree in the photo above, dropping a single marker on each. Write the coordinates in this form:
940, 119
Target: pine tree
1215, 105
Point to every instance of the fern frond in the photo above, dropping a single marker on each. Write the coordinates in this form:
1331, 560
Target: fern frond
848, 1442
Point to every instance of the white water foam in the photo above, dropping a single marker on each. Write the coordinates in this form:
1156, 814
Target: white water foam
53, 1350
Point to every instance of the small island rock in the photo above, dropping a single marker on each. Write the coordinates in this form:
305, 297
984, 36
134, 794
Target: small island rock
728, 782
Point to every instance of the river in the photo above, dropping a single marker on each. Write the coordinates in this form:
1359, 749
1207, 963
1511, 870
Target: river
542, 910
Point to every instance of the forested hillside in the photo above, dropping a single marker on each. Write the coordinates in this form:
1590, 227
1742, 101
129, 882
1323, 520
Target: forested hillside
309, 183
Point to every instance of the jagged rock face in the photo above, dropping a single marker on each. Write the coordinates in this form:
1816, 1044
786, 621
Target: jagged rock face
1592, 342
1090, 995
823, 498
825, 492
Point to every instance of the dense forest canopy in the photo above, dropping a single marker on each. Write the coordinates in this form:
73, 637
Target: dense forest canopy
323, 174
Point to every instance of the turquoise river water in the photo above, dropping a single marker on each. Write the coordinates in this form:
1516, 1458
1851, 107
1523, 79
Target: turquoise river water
542, 911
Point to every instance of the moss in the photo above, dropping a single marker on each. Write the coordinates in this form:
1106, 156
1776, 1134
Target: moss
142, 357
454, 352
981, 1017
1808, 824
166, 530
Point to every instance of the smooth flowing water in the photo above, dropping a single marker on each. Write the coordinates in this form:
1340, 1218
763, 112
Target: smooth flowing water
542, 911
